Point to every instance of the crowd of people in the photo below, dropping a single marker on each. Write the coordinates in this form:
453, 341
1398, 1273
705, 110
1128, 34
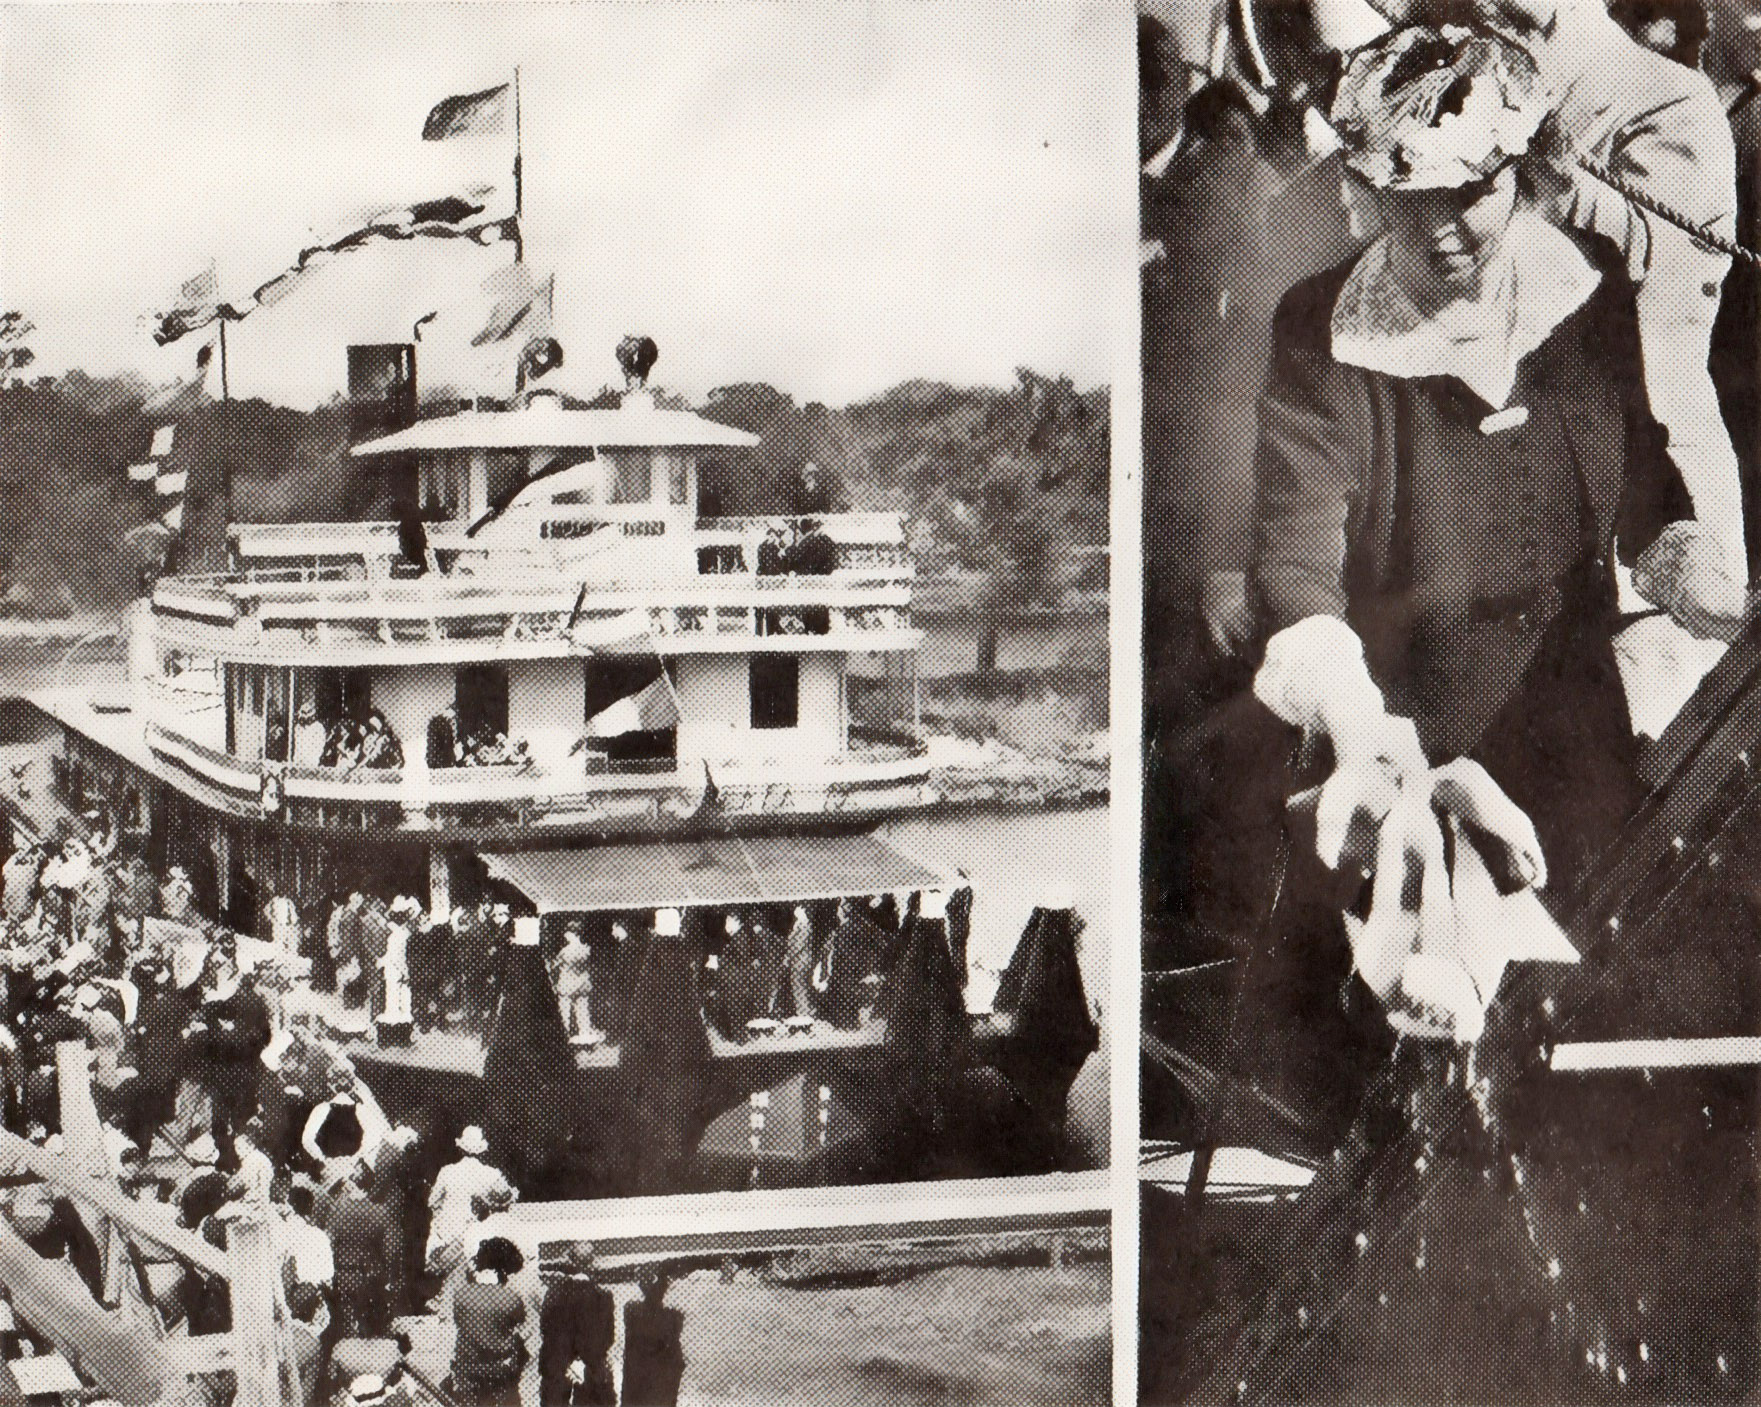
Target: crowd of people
213, 1104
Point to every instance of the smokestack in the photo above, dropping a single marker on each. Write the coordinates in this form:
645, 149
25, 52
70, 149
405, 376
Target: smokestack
382, 389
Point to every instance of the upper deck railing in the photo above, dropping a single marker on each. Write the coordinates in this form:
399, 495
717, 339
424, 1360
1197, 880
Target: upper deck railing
346, 589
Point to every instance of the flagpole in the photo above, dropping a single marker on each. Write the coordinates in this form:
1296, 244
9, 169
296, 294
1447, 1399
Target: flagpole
519, 179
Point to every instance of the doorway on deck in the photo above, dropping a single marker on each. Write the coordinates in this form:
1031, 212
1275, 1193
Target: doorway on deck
481, 696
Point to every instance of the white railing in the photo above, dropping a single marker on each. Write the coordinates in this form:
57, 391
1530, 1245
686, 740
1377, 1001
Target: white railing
745, 785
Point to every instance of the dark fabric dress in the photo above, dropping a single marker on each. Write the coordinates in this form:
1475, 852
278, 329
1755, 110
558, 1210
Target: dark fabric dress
1471, 1242
654, 1355
1476, 568
528, 1057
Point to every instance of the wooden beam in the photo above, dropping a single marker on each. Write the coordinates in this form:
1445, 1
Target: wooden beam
121, 1209
1668, 1053
745, 1222
127, 1363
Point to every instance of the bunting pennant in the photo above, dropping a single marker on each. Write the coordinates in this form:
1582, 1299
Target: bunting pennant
196, 305
168, 484
521, 305
468, 115
452, 217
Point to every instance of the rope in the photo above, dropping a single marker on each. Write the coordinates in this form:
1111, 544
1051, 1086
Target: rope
1668, 213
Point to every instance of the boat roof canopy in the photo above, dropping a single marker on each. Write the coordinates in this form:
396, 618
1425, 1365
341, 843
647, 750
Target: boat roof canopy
691, 874
545, 423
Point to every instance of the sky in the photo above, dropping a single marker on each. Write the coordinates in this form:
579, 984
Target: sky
832, 197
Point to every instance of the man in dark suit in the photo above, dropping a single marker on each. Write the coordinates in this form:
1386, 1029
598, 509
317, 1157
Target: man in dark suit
227, 1037
576, 1328
363, 1245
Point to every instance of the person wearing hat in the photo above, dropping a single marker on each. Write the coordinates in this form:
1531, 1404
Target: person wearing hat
308, 735
226, 1039
576, 1330
394, 963
457, 1185
372, 1390
1455, 443
363, 1248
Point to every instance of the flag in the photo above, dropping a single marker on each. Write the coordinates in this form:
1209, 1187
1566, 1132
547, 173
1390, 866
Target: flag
450, 217
196, 305
520, 304
143, 473
172, 481
468, 115
172, 517
161, 445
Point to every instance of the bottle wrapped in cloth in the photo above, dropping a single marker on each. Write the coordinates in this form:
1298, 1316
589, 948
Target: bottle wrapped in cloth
1441, 867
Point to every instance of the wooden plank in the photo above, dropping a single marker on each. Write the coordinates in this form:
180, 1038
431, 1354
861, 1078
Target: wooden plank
732, 1222
122, 1210
1677, 1053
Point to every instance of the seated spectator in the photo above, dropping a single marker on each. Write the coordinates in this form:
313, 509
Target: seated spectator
444, 749
773, 552
380, 748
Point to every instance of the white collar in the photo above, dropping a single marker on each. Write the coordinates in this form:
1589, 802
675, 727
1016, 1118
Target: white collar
1377, 326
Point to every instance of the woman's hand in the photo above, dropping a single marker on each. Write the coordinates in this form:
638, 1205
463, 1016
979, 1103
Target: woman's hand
1685, 572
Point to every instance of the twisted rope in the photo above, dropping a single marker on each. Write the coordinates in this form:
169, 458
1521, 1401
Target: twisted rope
1668, 213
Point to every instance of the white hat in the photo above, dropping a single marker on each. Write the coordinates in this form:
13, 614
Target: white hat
934, 904
203, 1150
1058, 894
712, 963
731, 924
472, 1141
666, 923
369, 1387
525, 932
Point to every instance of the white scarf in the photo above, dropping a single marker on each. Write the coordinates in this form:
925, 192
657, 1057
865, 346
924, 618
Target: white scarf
1539, 279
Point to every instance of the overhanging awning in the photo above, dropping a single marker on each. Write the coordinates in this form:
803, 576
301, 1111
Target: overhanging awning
689, 874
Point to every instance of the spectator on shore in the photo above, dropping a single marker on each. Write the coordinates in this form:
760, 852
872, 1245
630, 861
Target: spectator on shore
576, 1330
489, 1350
458, 1183
363, 1247
654, 1354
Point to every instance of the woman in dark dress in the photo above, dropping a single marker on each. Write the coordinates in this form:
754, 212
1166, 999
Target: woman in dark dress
654, 1354
1455, 450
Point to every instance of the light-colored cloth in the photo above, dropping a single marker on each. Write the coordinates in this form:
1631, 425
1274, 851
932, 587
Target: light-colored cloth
308, 743
450, 1201
308, 1247
1541, 280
